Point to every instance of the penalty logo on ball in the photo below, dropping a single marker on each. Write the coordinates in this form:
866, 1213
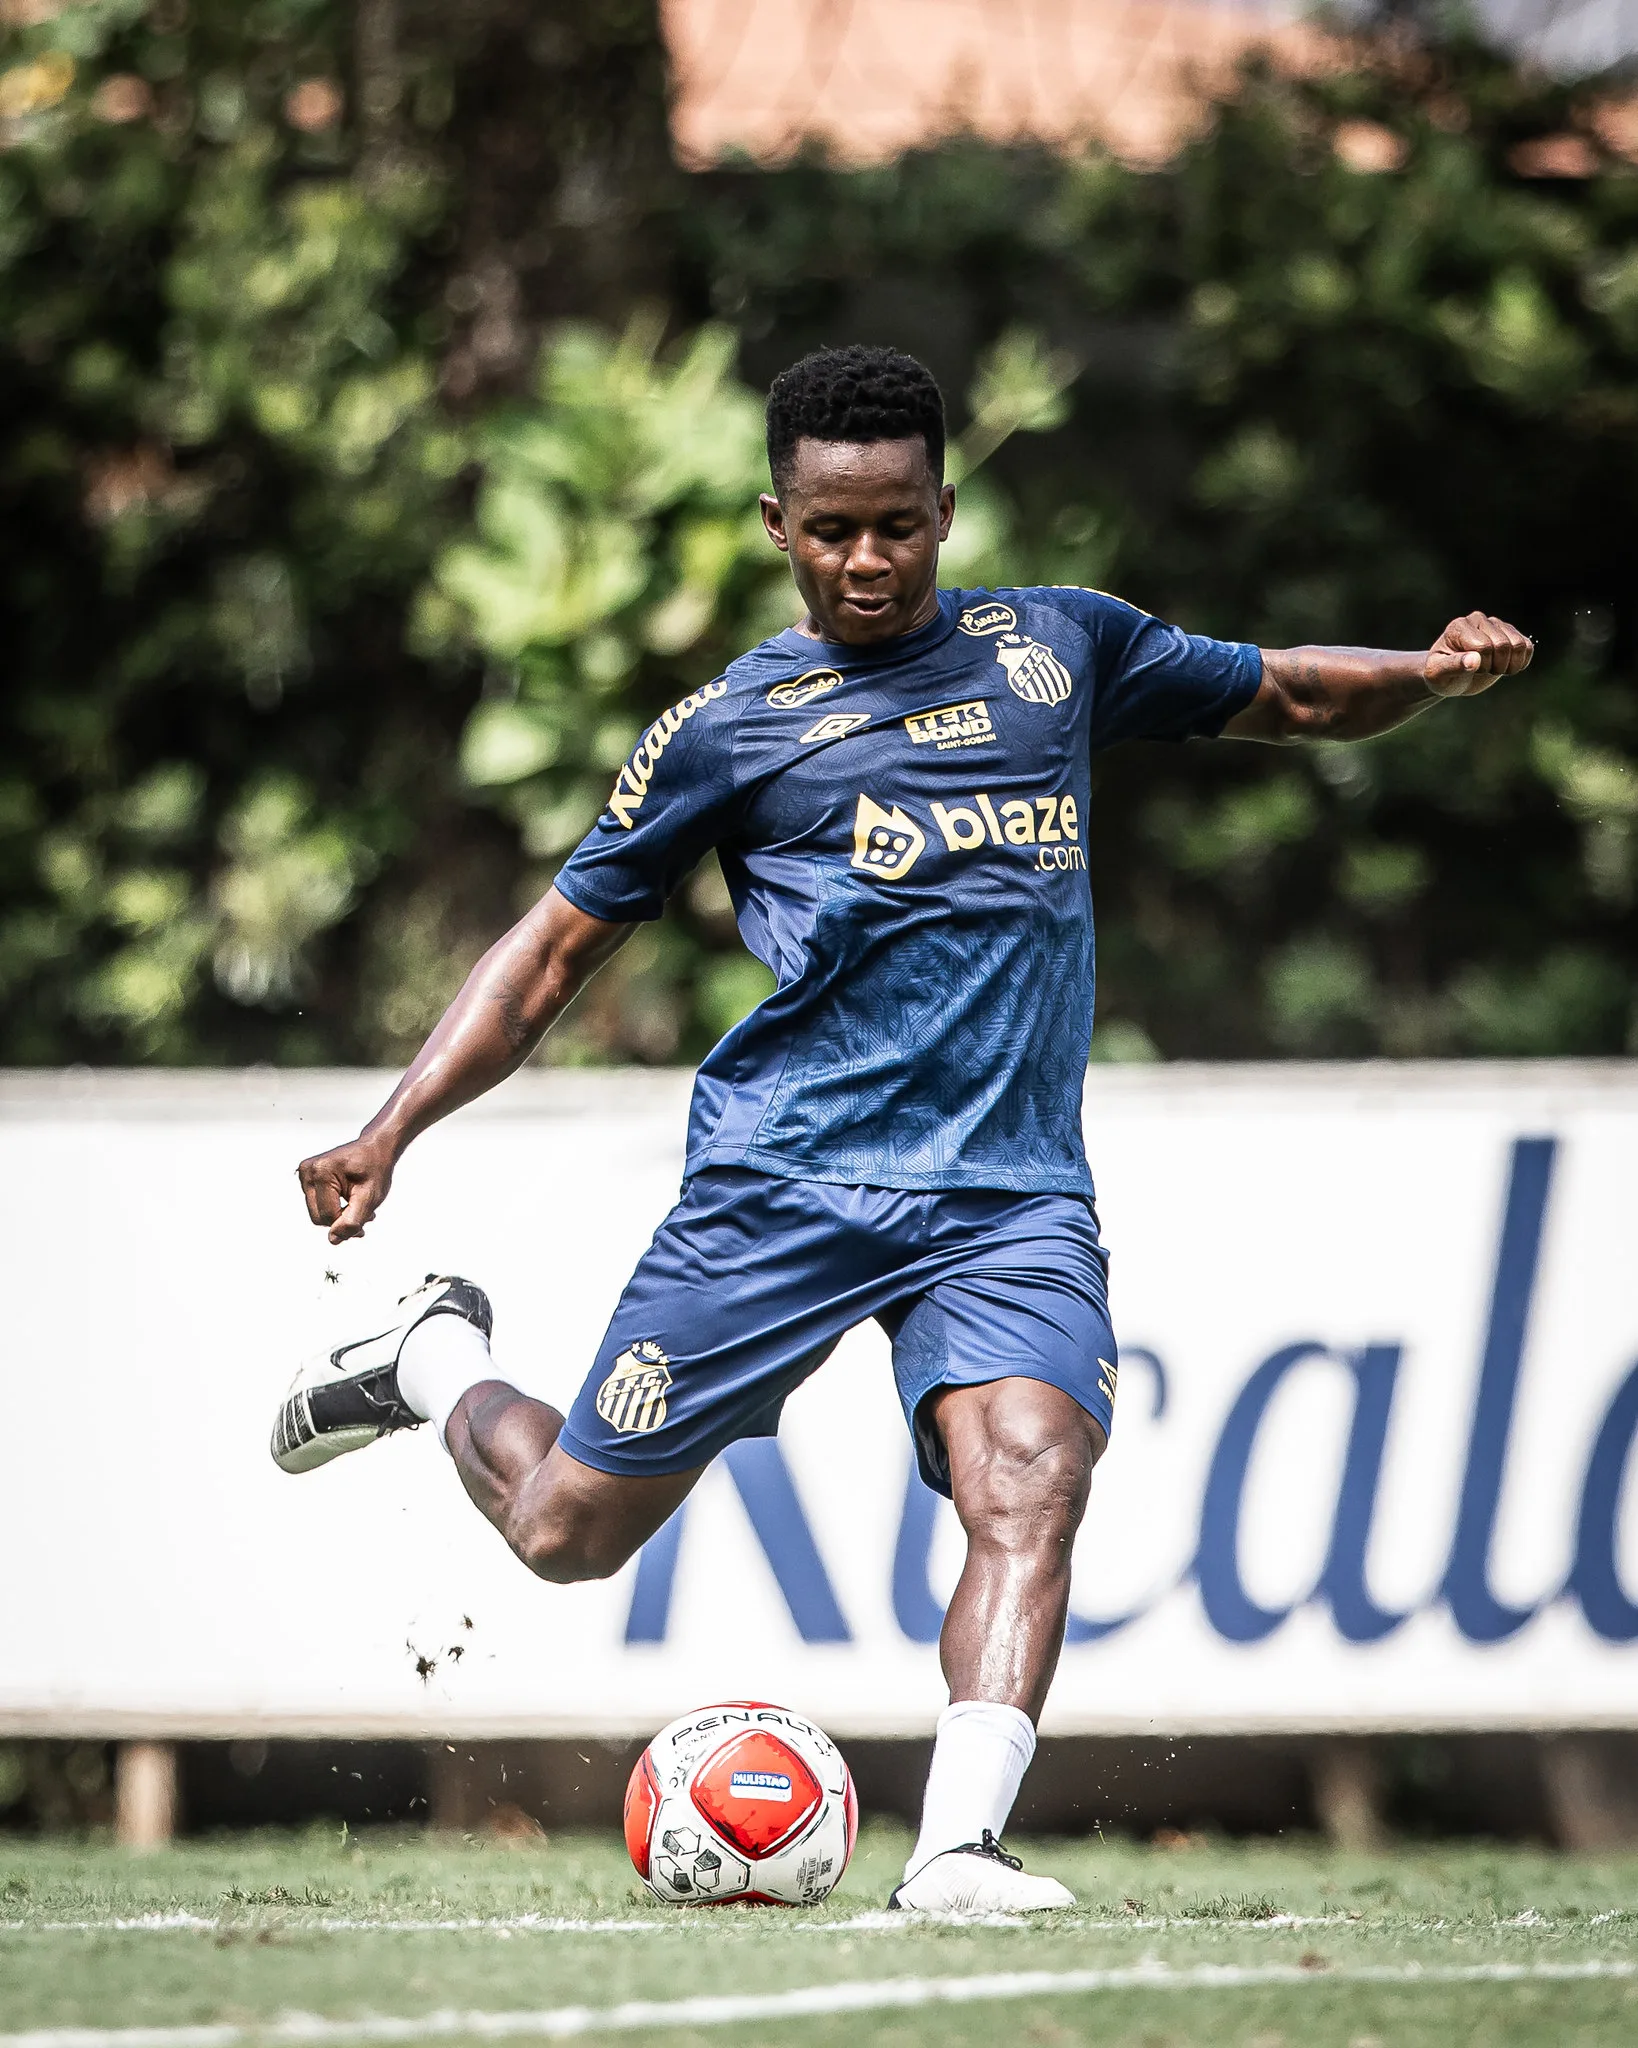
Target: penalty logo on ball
743, 1801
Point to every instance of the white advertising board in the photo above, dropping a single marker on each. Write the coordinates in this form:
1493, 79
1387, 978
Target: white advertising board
1372, 1464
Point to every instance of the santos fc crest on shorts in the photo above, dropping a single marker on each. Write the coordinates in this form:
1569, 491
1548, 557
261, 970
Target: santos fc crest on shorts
1034, 671
632, 1398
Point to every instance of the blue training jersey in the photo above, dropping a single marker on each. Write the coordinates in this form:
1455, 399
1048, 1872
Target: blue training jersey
903, 832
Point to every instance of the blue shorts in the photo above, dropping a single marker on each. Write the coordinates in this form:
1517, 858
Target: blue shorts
752, 1280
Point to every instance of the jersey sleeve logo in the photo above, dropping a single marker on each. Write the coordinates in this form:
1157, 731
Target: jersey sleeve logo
632, 1398
631, 785
793, 695
980, 619
886, 844
1034, 671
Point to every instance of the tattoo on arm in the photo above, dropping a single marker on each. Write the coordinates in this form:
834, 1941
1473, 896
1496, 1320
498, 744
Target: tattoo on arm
1344, 692
1294, 666
1299, 675
514, 1022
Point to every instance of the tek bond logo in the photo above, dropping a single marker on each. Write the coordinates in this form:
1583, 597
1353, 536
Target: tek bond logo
952, 725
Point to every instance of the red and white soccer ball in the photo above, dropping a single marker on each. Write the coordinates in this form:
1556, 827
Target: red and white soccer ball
741, 1802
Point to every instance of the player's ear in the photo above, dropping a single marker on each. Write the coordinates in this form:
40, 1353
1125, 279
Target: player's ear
946, 510
773, 518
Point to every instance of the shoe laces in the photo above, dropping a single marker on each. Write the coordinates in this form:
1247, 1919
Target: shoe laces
989, 1844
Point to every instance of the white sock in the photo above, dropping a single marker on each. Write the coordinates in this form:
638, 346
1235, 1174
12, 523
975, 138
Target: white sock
979, 1760
438, 1361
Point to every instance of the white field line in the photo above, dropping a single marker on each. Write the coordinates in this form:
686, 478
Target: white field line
813, 2001
542, 1923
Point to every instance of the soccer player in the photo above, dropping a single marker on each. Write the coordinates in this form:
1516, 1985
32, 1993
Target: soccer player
898, 791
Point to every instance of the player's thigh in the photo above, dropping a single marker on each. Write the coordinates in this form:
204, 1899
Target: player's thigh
745, 1290
1029, 1306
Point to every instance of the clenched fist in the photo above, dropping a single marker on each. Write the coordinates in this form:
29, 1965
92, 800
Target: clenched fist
345, 1187
1471, 653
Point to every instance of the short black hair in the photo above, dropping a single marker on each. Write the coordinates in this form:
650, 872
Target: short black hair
855, 393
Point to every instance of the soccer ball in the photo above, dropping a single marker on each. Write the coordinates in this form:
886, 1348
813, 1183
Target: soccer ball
741, 1802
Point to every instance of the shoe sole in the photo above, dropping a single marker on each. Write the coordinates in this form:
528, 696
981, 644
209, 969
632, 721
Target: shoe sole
297, 1447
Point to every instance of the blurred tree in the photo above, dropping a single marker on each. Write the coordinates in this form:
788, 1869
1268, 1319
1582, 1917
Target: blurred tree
325, 621
253, 264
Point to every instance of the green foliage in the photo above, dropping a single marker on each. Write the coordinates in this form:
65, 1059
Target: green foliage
221, 452
313, 673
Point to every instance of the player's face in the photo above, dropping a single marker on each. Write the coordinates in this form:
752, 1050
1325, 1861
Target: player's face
862, 522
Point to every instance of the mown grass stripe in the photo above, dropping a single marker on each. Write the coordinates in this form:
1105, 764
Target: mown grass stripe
814, 2001
668, 1923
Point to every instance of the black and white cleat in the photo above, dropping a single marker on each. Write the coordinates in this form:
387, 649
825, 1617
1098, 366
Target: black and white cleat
346, 1398
979, 1877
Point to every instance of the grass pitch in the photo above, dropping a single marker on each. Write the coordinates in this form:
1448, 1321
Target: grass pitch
419, 1938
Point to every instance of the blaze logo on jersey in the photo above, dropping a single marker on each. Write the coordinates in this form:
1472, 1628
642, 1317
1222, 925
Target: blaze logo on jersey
1034, 671
1051, 824
980, 619
953, 725
885, 843
834, 725
792, 696
888, 843
631, 786
632, 1398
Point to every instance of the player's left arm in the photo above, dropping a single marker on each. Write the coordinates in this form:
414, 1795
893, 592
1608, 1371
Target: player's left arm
1353, 693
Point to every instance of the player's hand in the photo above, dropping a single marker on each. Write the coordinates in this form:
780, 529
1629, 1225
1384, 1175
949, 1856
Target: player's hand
344, 1188
1471, 653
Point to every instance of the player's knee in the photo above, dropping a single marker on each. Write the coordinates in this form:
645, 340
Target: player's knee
1023, 1488
557, 1549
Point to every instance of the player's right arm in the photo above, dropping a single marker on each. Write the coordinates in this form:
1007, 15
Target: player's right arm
510, 1000
675, 797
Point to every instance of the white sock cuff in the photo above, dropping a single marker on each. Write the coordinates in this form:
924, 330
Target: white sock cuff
1011, 1722
439, 1359
979, 1759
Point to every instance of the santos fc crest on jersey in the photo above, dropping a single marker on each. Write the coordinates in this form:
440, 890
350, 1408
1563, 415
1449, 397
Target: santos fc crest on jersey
632, 1398
1034, 671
